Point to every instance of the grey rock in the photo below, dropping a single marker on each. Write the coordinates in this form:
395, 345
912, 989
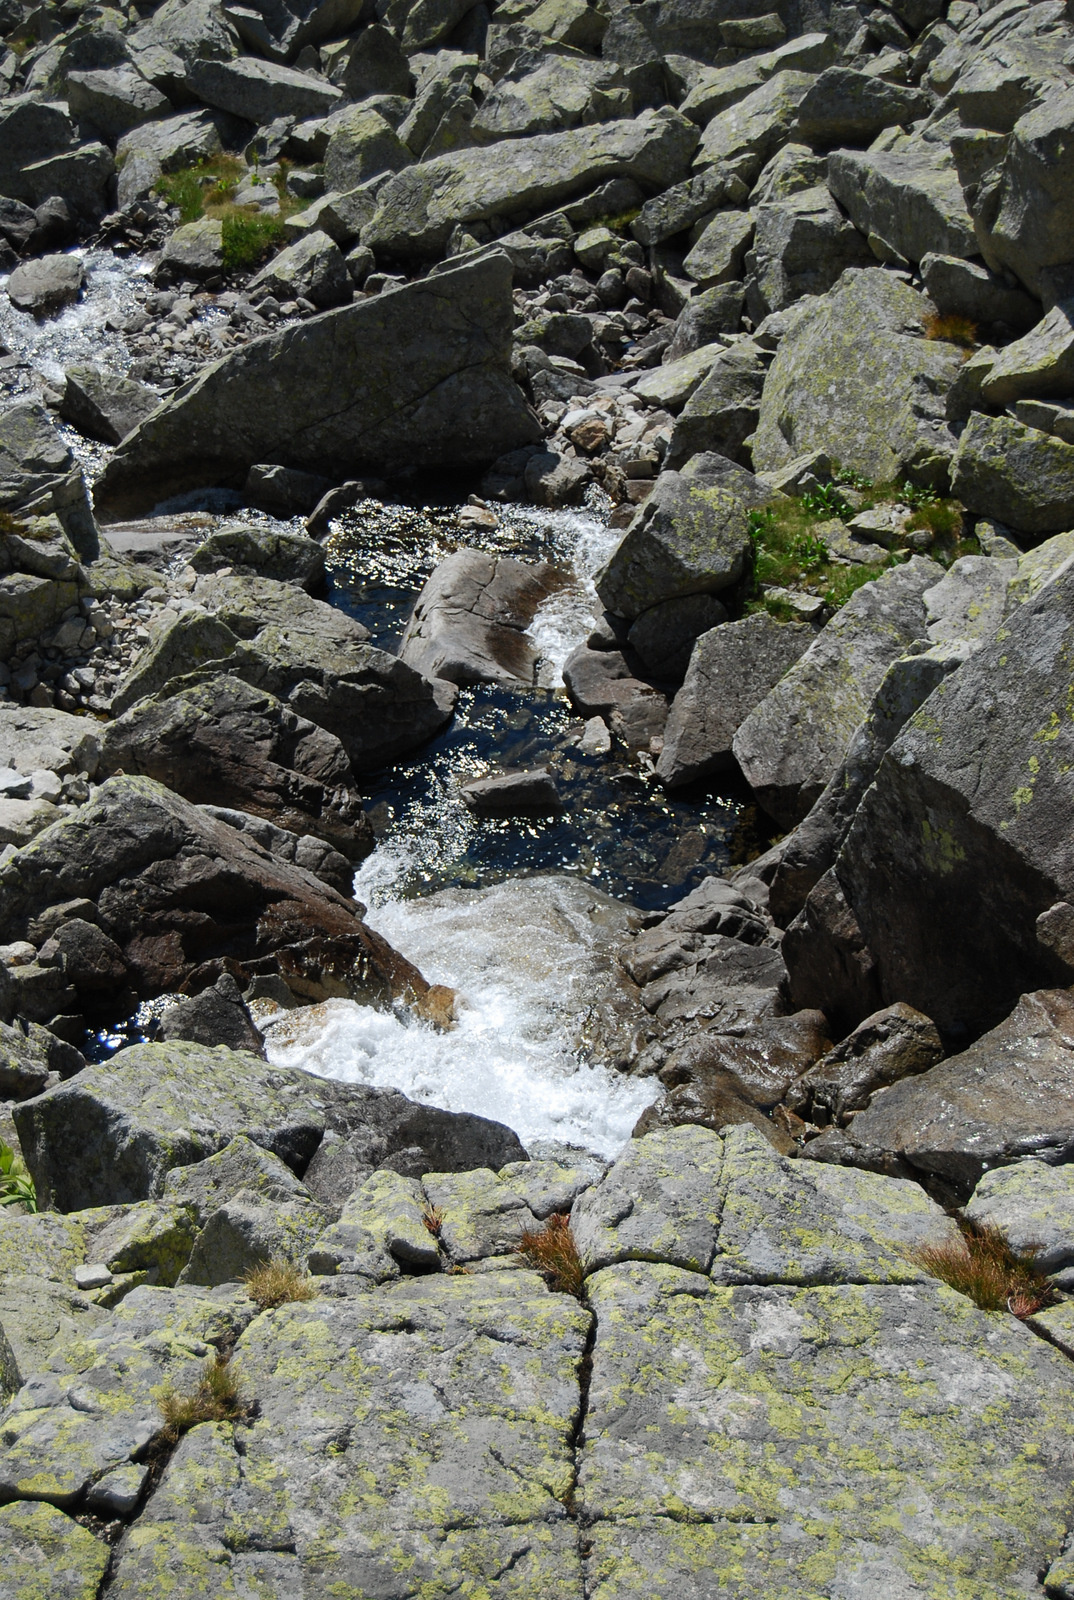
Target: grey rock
418, 208
704, 317
689, 537
892, 1044
747, 133
968, 289
731, 671
285, 557
679, 207
33, 738
311, 269
1018, 474
1039, 364
828, 692
82, 178
802, 245
601, 683
241, 1166
1003, 1100
723, 410
669, 386
196, 249
1025, 216
245, 1232
30, 130
908, 198
664, 636
853, 376
469, 622
215, 1016
375, 389
285, 490
114, 100
845, 106
716, 256
225, 743
381, 1224
154, 148
373, 63
34, 1534
958, 845
660, 1202
521, 793
1032, 1204
557, 92
260, 91
45, 285
480, 1215
303, 850
105, 405
361, 145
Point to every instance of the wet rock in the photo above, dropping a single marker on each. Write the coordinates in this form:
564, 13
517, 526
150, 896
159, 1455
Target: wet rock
690, 537
732, 669
790, 745
601, 684
958, 847
892, 1044
414, 378
311, 269
223, 742
1006, 1098
418, 208
45, 285
303, 850
283, 491
215, 1016
854, 376
259, 552
104, 405
469, 621
179, 893
513, 794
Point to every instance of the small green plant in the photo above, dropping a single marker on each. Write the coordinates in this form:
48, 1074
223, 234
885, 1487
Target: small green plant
207, 189
250, 238
16, 1184
951, 329
982, 1265
852, 480
201, 189
553, 1252
217, 1397
277, 1283
825, 501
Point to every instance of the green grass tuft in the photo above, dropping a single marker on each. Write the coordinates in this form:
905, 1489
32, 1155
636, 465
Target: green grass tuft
206, 189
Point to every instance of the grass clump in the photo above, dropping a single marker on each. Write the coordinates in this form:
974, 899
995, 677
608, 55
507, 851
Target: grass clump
951, 329
207, 189
201, 189
16, 1184
433, 1218
787, 554
217, 1397
553, 1252
250, 238
982, 1265
277, 1283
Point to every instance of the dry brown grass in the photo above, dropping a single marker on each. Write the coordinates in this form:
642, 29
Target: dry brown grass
983, 1266
433, 1218
952, 329
216, 1398
553, 1253
277, 1283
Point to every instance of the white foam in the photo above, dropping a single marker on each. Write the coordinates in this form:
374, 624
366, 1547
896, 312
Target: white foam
523, 957
79, 332
569, 614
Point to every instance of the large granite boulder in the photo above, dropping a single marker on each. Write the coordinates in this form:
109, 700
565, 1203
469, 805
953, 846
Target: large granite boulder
961, 844
845, 106
177, 892
154, 148
855, 376
746, 134
224, 743
1015, 473
1024, 219
418, 208
732, 669
113, 1133
691, 536
412, 379
469, 621
802, 245
790, 746
260, 91
908, 199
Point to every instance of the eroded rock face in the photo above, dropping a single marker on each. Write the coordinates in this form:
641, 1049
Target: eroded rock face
415, 378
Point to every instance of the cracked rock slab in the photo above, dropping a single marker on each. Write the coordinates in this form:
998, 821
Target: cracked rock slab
48, 1555
847, 1441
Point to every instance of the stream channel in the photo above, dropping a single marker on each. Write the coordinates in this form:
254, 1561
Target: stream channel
442, 886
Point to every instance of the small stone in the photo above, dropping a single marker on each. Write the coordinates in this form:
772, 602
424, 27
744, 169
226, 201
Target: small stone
94, 1276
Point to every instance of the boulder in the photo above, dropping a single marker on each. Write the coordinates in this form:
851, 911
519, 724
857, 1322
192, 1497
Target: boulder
802, 244
1008, 1097
732, 669
704, 317
361, 145
790, 745
410, 379
967, 289
179, 892
261, 91
82, 179
33, 738
716, 256
303, 850
601, 683
114, 100
311, 269
469, 622
844, 106
690, 537
1024, 218
670, 385
680, 207
105, 405
223, 742
746, 134
215, 1016
160, 147
373, 63
196, 249
1039, 364
664, 636
855, 377
892, 1044
550, 94
909, 199
960, 845
30, 130
723, 410
512, 794
47, 284
419, 207
1015, 473
259, 552
37, 1534
1032, 1205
